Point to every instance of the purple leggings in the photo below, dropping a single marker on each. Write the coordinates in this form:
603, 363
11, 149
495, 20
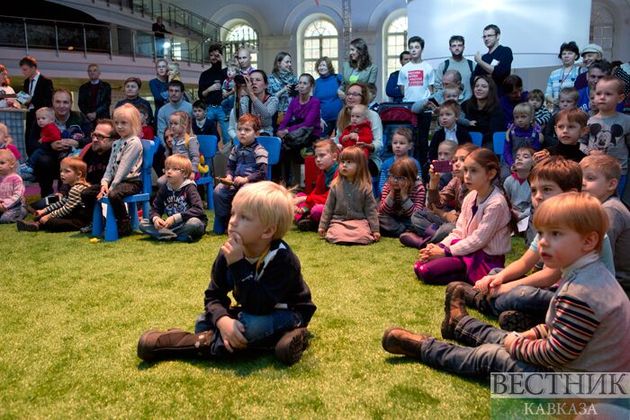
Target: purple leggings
468, 268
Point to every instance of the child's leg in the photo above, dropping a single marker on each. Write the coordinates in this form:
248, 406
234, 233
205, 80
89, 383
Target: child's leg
147, 227
441, 271
63, 224
531, 300
316, 212
261, 327
13, 215
390, 226
190, 230
116, 196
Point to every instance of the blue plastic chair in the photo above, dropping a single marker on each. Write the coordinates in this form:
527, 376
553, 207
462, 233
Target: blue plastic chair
498, 141
477, 138
208, 149
273, 146
111, 227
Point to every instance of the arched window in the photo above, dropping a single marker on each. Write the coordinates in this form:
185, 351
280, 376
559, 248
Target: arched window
395, 43
321, 39
241, 35
602, 30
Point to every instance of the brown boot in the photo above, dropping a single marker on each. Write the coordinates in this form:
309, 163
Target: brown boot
476, 299
397, 340
291, 345
454, 308
173, 344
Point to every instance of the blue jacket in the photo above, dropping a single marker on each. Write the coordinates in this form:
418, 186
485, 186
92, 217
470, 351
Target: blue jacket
392, 89
326, 91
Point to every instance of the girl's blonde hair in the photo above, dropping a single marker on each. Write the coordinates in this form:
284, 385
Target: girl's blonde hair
406, 167
362, 177
131, 113
524, 108
8, 155
185, 120
77, 165
579, 212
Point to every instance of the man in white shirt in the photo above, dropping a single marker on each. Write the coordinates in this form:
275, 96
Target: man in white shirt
416, 78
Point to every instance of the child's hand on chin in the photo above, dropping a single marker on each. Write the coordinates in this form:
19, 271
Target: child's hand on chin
233, 248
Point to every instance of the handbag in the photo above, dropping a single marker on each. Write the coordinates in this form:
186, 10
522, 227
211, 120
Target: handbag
297, 139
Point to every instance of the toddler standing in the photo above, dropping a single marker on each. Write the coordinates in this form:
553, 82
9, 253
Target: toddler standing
69, 213
522, 132
516, 186
402, 195
11, 189
350, 215
542, 116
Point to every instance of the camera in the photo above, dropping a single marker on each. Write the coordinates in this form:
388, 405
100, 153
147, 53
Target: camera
442, 166
239, 80
292, 89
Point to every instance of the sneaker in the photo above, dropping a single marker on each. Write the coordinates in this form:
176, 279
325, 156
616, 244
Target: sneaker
397, 340
306, 224
454, 308
291, 345
86, 229
517, 321
23, 226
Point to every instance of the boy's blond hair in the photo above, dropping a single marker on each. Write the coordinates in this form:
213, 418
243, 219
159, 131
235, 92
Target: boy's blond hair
270, 202
579, 212
47, 111
131, 113
8, 155
179, 162
605, 164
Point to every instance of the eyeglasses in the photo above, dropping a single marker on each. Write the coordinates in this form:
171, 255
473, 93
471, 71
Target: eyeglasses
397, 178
99, 137
354, 94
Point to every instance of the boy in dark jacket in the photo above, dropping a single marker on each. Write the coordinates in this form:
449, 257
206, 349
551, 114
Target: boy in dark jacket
273, 303
179, 199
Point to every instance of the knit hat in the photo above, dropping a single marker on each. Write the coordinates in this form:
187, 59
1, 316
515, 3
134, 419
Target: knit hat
592, 48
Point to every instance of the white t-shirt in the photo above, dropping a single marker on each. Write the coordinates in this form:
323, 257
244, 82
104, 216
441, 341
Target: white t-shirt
416, 79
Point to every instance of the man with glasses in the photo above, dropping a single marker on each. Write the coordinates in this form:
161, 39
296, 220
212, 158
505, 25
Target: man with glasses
244, 58
497, 62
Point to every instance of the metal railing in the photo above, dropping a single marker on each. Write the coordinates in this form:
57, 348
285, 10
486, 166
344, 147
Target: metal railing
58, 35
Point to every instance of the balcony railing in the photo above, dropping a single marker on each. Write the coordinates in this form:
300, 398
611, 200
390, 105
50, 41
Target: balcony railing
27, 33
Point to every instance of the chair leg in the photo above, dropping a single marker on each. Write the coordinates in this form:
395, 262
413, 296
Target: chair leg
133, 215
97, 219
146, 210
210, 195
111, 225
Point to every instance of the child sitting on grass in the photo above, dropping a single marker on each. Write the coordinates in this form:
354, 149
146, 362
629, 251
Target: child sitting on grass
247, 163
583, 324
309, 208
402, 143
482, 235
186, 219
600, 176
11, 189
262, 274
350, 215
444, 204
122, 176
359, 132
403, 194
69, 213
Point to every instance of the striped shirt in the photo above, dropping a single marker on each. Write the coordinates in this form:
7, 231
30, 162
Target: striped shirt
392, 205
67, 204
586, 323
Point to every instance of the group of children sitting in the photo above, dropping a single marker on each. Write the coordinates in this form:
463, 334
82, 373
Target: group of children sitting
462, 223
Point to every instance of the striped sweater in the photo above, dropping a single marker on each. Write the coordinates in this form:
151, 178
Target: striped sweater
69, 203
391, 204
586, 325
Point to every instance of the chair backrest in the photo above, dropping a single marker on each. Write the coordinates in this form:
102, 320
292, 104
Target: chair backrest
208, 146
273, 146
477, 138
498, 140
149, 147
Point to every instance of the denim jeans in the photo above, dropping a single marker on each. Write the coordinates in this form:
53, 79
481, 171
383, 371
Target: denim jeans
216, 113
187, 231
530, 300
258, 328
487, 354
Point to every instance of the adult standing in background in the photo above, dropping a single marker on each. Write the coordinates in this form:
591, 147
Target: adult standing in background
391, 89
458, 62
210, 82
40, 90
95, 96
159, 31
244, 59
326, 91
282, 82
159, 85
358, 68
590, 53
566, 75
497, 62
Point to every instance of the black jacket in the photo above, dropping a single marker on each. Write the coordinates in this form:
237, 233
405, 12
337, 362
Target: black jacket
42, 96
438, 137
103, 99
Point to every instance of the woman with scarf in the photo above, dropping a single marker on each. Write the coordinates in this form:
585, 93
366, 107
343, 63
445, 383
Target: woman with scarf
282, 82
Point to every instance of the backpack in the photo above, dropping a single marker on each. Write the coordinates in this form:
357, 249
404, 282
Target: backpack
447, 62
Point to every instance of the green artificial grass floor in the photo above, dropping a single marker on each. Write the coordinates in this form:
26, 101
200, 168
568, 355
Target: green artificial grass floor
72, 312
